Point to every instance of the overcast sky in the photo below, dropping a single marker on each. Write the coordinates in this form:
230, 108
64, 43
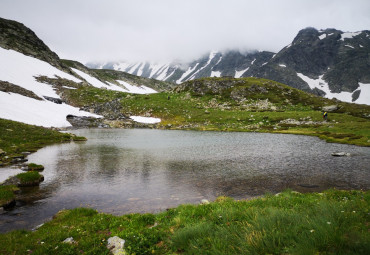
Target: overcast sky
163, 30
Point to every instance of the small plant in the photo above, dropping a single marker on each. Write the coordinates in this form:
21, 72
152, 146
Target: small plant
35, 167
31, 178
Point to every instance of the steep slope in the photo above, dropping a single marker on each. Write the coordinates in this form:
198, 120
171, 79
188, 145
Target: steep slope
328, 62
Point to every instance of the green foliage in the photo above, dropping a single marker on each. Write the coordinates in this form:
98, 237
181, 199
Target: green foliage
29, 177
332, 222
7, 193
35, 167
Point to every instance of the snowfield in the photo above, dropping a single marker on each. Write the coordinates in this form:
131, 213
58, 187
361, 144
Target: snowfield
37, 112
321, 84
21, 70
147, 120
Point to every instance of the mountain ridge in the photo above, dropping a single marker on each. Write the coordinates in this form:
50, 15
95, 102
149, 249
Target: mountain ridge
328, 63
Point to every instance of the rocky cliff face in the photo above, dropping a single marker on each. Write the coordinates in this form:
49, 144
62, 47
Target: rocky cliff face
328, 63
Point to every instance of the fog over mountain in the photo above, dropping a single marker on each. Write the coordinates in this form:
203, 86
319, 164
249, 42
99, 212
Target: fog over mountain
167, 30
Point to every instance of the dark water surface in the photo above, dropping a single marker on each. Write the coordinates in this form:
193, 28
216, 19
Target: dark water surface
122, 171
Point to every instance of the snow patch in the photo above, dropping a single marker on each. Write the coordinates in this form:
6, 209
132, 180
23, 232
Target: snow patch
364, 97
136, 90
96, 83
349, 35
37, 112
253, 61
21, 70
282, 65
321, 84
215, 73
323, 36
189, 71
350, 46
239, 74
147, 120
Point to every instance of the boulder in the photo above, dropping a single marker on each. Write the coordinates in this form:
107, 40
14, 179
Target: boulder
330, 108
116, 245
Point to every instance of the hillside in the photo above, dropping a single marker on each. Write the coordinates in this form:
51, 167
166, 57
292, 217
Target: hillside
33, 80
228, 104
328, 63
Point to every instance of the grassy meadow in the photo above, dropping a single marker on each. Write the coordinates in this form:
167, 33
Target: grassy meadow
332, 222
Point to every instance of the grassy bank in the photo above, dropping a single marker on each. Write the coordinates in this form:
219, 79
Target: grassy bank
250, 104
333, 222
16, 137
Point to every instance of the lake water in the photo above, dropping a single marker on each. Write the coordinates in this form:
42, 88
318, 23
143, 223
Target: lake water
121, 171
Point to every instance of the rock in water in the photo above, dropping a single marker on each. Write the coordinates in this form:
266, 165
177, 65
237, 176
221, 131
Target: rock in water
115, 245
341, 154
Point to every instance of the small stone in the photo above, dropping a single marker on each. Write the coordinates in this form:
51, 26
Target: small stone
204, 202
116, 245
69, 240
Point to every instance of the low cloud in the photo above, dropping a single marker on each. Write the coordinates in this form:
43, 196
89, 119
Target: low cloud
165, 30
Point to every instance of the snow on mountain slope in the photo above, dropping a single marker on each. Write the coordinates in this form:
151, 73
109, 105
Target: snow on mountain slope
35, 112
21, 70
136, 90
321, 84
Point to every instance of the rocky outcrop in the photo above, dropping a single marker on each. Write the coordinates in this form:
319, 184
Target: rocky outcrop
86, 122
16, 36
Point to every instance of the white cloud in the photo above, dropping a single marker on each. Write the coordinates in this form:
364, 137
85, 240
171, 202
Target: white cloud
92, 30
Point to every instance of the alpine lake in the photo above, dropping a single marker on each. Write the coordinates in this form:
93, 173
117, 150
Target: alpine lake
120, 171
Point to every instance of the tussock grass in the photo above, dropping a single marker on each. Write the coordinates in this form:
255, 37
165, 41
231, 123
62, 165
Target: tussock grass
332, 222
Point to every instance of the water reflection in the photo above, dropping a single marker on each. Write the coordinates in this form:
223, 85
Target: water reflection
124, 171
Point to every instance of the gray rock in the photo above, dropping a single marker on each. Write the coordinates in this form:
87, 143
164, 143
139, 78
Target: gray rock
69, 240
204, 202
330, 108
116, 245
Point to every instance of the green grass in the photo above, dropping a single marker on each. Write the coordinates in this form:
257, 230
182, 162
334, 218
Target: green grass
7, 193
218, 111
332, 222
35, 167
29, 177
16, 137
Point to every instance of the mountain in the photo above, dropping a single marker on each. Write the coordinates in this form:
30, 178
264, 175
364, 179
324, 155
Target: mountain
329, 63
34, 80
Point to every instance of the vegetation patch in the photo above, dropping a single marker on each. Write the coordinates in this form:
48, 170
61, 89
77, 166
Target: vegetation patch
332, 222
35, 167
7, 194
31, 178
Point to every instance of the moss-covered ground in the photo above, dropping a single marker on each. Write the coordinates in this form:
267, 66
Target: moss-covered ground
333, 222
